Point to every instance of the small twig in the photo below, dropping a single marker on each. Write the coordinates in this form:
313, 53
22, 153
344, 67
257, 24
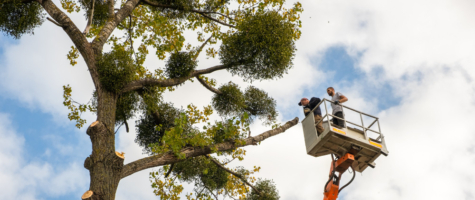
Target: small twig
170, 170
54, 22
210, 191
235, 174
118, 128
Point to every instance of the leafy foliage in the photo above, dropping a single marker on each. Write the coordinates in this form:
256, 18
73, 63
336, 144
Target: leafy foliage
230, 102
262, 48
116, 68
180, 64
257, 103
201, 171
126, 107
18, 18
147, 133
268, 190
260, 104
73, 54
76, 111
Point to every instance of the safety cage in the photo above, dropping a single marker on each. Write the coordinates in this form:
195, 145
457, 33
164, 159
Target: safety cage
369, 143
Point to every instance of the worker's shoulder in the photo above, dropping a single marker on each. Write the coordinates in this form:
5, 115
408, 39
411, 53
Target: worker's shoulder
315, 98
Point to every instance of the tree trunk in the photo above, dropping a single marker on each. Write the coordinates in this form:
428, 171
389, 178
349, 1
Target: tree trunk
104, 164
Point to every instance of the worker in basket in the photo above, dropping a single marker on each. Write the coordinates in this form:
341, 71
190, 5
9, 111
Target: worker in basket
317, 113
337, 98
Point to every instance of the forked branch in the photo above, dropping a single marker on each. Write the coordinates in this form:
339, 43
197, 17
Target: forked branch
76, 36
169, 158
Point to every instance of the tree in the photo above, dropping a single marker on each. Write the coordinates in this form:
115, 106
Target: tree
256, 42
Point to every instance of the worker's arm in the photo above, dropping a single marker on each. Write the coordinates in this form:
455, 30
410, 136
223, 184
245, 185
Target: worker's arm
343, 99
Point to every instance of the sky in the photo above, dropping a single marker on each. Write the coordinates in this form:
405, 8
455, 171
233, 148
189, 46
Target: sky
407, 62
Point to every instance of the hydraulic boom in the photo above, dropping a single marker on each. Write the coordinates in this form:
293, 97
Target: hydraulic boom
339, 165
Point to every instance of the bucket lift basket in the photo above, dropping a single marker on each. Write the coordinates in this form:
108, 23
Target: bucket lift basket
341, 140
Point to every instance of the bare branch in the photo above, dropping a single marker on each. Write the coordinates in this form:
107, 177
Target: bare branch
201, 48
235, 174
209, 87
147, 82
169, 158
89, 21
76, 36
213, 19
202, 13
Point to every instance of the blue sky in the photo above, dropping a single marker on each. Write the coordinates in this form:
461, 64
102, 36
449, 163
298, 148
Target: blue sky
405, 69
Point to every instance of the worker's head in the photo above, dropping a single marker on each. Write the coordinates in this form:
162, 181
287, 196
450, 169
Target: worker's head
303, 102
330, 91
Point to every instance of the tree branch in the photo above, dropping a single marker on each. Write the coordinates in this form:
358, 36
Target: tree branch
209, 87
112, 23
235, 174
79, 40
147, 82
169, 158
89, 21
111, 9
202, 13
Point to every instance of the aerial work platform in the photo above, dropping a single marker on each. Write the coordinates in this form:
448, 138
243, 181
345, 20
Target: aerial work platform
366, 144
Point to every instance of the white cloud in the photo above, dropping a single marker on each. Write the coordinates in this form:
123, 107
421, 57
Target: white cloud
21, 179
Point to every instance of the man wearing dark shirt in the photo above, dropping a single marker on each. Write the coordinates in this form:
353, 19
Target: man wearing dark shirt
308, 106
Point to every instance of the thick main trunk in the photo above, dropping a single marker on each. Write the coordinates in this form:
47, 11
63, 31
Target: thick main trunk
104, 164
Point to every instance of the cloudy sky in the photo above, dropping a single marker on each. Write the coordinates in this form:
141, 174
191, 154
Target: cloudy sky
408, 62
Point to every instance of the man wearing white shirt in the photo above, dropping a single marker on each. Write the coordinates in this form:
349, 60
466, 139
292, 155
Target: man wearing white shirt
337, 98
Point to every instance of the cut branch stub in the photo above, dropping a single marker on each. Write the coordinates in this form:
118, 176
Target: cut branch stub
120, 155
89, 195
96, 127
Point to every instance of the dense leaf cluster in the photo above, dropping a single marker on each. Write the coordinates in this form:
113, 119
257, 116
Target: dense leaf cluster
17, 18
147, 133
267, 189
257, 103
180, 64
230, 102
263, 47
116, 68
126, 107
201, 171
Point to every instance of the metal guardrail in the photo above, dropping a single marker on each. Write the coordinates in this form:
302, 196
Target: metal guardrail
376, 120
